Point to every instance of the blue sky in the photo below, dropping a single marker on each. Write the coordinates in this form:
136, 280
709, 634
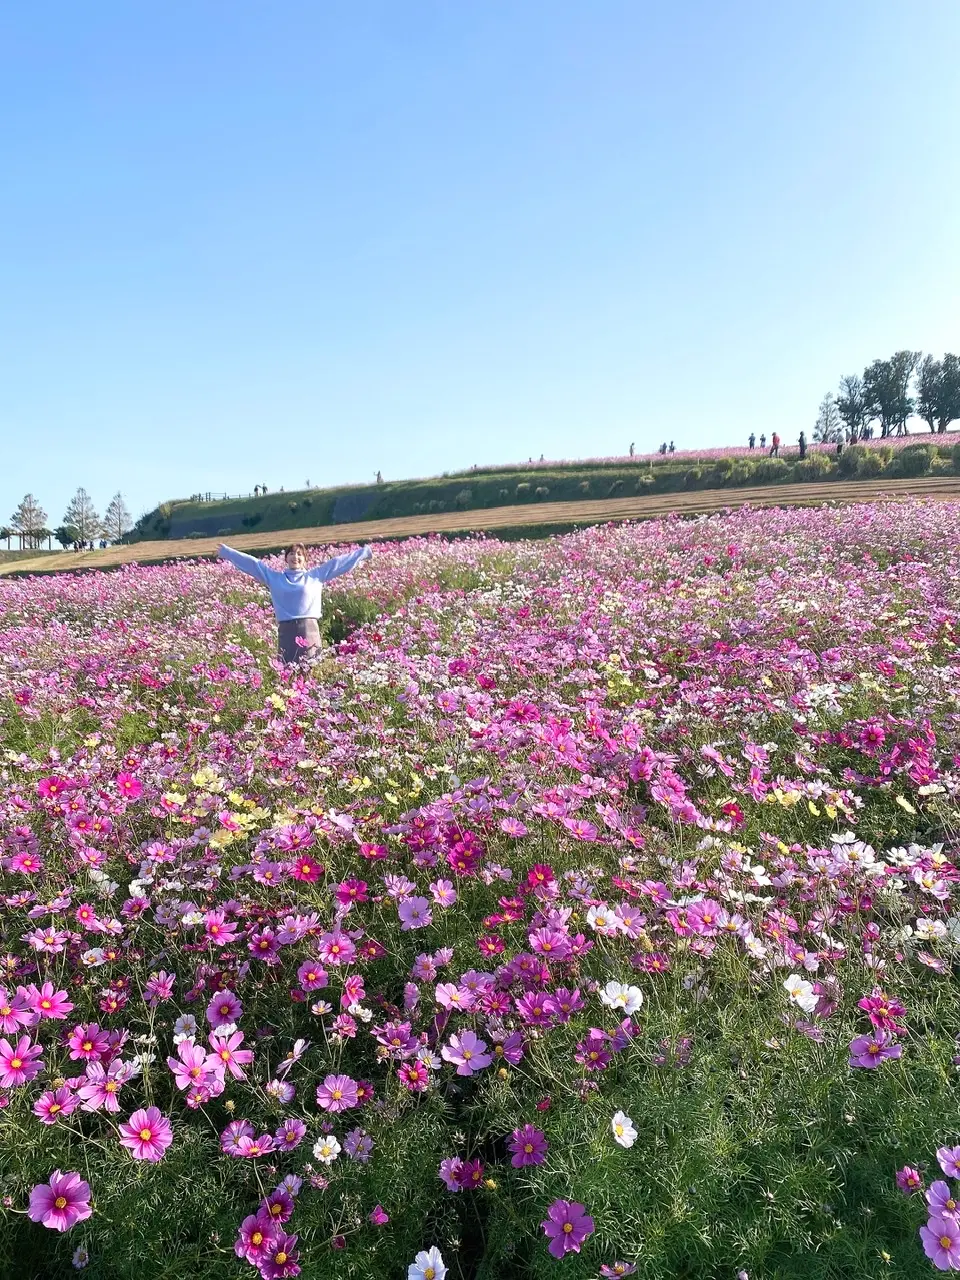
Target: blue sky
247, 243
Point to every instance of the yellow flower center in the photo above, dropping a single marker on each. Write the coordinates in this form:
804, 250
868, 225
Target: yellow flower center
567, 1228
280, 1259
429, 1274
337, 1095
257, 1238
60, 1202
146, 1135
945, 1242
16, 1064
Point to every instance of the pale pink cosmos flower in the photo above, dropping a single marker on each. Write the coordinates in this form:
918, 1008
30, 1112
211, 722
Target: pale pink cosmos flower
467, 1052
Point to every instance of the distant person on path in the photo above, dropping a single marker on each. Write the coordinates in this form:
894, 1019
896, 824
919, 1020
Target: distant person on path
296, 593
663, 448
631, 449
802, 442
380, 477
763, 442
775, 446
752, 442
673, 447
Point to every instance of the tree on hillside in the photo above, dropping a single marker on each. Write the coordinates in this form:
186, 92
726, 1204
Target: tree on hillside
82, 514
29, 521
852, 406
827, 428
116, 520
66, 535
886, 385
938, 391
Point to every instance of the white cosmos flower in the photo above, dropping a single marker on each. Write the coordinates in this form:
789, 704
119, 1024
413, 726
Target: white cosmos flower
617, 995
428, 1266
326, 1149
800, 992
623, 1130
185, 1028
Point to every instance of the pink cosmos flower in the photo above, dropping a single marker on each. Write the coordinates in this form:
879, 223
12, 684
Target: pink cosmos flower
378, 1217
566, 1226
870, 1051
257, 1234
224, 1009
61, 1202
337, 1093
16, 1011
467, 1052
949, 1161
88, 1043
311, 976
280, 1259
232, 1057
414, 913
47, 1002
449, 1173
55, 1104
529, 1146
941, 1243
20, 1062
147, 1134
942, 1202
611, 1270
250, 1148
103, 1085
909, 1179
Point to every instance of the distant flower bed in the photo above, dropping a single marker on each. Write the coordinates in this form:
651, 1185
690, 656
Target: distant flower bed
589, 912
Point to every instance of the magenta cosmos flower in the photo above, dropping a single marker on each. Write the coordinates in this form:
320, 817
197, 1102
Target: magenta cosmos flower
870, 1051
467, 1052
19, 1062
147, 1134
567, 1225
949, 1160
529, 1146
941, 1243
61, 1202
909, 1179
337, 1093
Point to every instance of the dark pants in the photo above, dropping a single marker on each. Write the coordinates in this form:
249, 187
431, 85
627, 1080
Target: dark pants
304, 630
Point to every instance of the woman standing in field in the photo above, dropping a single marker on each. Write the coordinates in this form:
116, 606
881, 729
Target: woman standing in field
296, 592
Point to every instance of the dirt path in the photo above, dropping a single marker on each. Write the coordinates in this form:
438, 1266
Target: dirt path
596, 511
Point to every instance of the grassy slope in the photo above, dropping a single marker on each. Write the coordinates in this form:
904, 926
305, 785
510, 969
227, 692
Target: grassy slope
512, 520
486, 489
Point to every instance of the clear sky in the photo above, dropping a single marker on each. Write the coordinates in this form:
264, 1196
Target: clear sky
245, 242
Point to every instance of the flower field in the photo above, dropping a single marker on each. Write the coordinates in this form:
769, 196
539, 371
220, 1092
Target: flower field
588, 911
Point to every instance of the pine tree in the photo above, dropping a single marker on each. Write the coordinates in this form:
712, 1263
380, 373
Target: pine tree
82, 516
116, 520
28, 521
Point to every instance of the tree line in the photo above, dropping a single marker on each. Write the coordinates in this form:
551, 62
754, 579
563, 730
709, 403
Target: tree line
888, 393
81, 523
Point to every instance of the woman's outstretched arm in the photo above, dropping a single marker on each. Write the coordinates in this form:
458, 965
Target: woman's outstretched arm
339, 564
246, 564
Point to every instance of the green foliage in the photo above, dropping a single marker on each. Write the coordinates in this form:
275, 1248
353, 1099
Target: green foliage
871, 464
850, 459
771, 470
815, 466
915, 460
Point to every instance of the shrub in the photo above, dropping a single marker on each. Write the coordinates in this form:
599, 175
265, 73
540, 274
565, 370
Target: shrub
742, 472
308, 502
541, 491
849, 460
463, 499
916, 459
815, 466
724, 466
645, 481
504, 494
693, 477
523, 489
435, 505
871, 464
615, 488
771, 470
584, 486
956, 457
293, 506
